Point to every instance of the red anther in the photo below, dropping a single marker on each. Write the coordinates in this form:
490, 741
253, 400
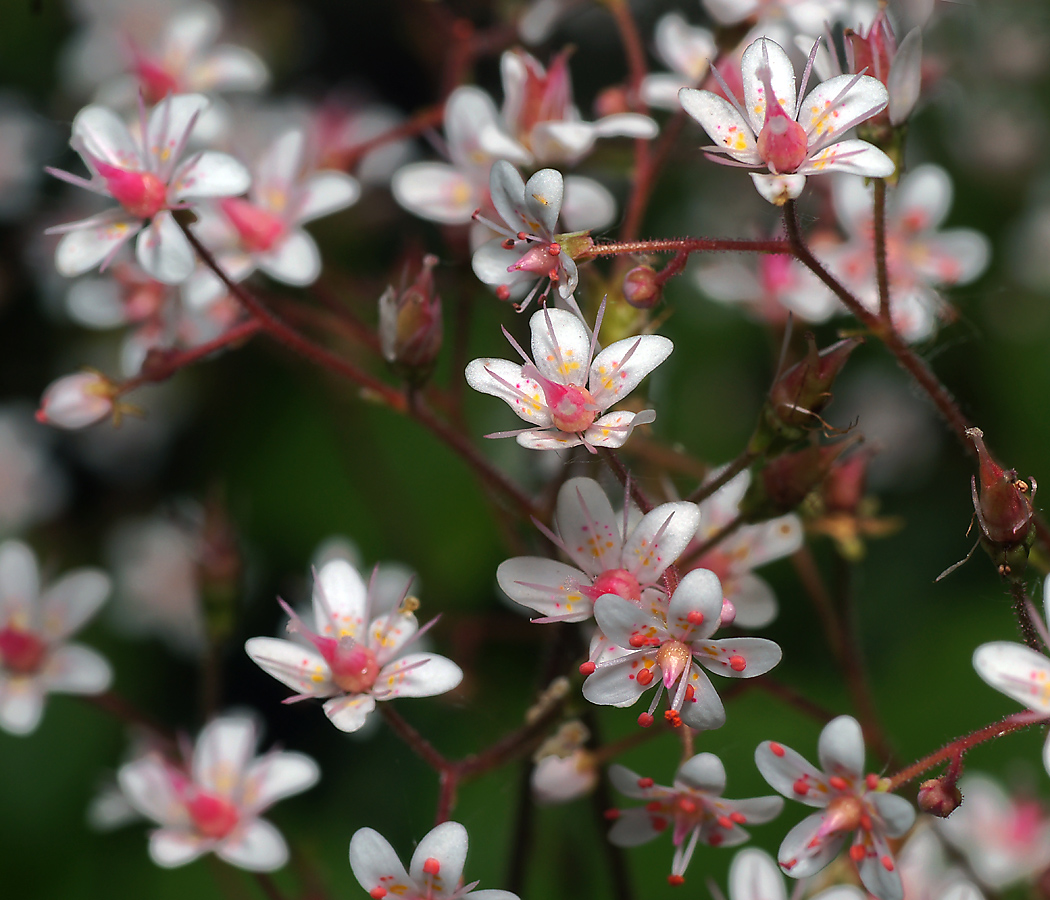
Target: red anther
654, 642
671, 716
503, 292
838, 782
659, 823
378, 892
687, 805
695, 617
715, 839
554, 249
523, 236
645, 783
801, 786
690, 692
432, 866
871, 780
553, 273
887, 863
508, 244
738, 817
725, 822
676, 880
587, 668
645, 676
737, 663
645, 720
611, 815
653, 806
637, 640
856, 852
865, 822
776, 749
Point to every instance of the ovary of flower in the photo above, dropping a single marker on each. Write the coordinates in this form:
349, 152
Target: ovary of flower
358, 651
760, 132
562, 394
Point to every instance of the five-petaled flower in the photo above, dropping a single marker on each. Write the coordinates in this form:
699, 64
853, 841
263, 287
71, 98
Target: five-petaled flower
669, 647
145, 174
851, 802
212, 803
608, 558
563, 393
693, 807
793, 137
34, 657
436, 871
357, 655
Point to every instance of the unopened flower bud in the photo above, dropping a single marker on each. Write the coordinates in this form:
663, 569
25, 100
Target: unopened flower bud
410, 328
558, 780
845, 486
641, 287
76, 401
786, 481
939, 797
1004, 511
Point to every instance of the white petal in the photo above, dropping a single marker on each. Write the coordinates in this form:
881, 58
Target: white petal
561, 345
783, 768
388, 634
856, 157
507, 192
502, 378
802, 853
704, 712
726, 12
542, 200
620, 367
417, 675
614, 429
98, 239
841, 748
491, 263
339, 600
190, 31
437, 192
293, 260
753, 875
659, 539
752, 656
587, 205
635, 827
96, 303
699, 591
222, 753
588, 526
702, 772
563, 140
556, 780
1017, 671
469, 111
921, 200
163, 251
753, 599
659, 90
765, 53
630, 783
548, 440
76, 401
73, 669
210, 174
778, 189
72, 601
276, 776
324, 193
146, 784
229, 68
375, 864
19, 580
278, 170
349, 712
765, 542
614, 685
168, 128
101, 133
951, 257
633, 125
723, 124
896, 812
256, 846
550, 588
620, 620
303, 669
881, 881
170, 849
21, 704
447, 843
904, 83
688, 51
829, 109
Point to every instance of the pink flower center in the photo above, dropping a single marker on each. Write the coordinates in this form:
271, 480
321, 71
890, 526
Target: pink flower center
354, 667
673, 658
21, 652
782, 143
616, 581
142, 194
540, 261
1025, 824
156, 81
258, 229
213, 817
845, 813
572, 407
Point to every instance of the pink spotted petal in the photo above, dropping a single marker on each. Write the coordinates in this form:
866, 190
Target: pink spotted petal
550, 588
696, 606
222, 753
21, 704
702, 772
1017, 671
790, 774
877, 870
853, 156
147, 785
704, 712
210, 174
504, 379
741, 657
620, 367
723, 124
588, 526
437, 192
753, 599
19, 580
615, 685
74, 669
802, 853
760, 54
447, 844
614, 429
94, 241
303, 669
548, 440
340, 601
163, 250
624, 624
168, 130
375, 864
70, 602
561, 345
348, 712
417, 675
324, 193
659, 539
829, 110
294, 260
841, 749
99, 133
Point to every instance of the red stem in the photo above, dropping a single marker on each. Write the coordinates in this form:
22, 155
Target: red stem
881, 272
687, 245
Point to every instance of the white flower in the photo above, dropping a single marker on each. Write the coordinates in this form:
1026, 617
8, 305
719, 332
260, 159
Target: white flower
76, 401
358, 654
436, 871
557, 779
753, 875
213, 803
148, 178
35, 658
850, 802
550, 393
608, 558
793, 137
687, 51
925, 870
694, 806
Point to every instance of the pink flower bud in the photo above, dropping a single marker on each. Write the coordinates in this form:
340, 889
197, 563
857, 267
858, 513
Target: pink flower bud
76, 401
410, 328
939, 797
557, 780
846, 484
787, 480
641, 287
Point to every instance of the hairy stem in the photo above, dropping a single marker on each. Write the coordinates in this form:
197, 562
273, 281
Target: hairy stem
881, 272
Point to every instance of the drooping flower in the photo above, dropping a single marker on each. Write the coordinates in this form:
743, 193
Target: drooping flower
669, 647
608, 558
35, 657
76, 401
563, 393
733, 560
357, 657
753, 875
794, 136
687, 51
435, 873
920, 258
694, 807
212, 803
147, 176
850, 802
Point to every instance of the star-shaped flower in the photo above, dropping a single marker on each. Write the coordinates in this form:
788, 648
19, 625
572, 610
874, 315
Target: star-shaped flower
694, 806
792, 137
358, 655
753, 875
562, 394
850, 802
